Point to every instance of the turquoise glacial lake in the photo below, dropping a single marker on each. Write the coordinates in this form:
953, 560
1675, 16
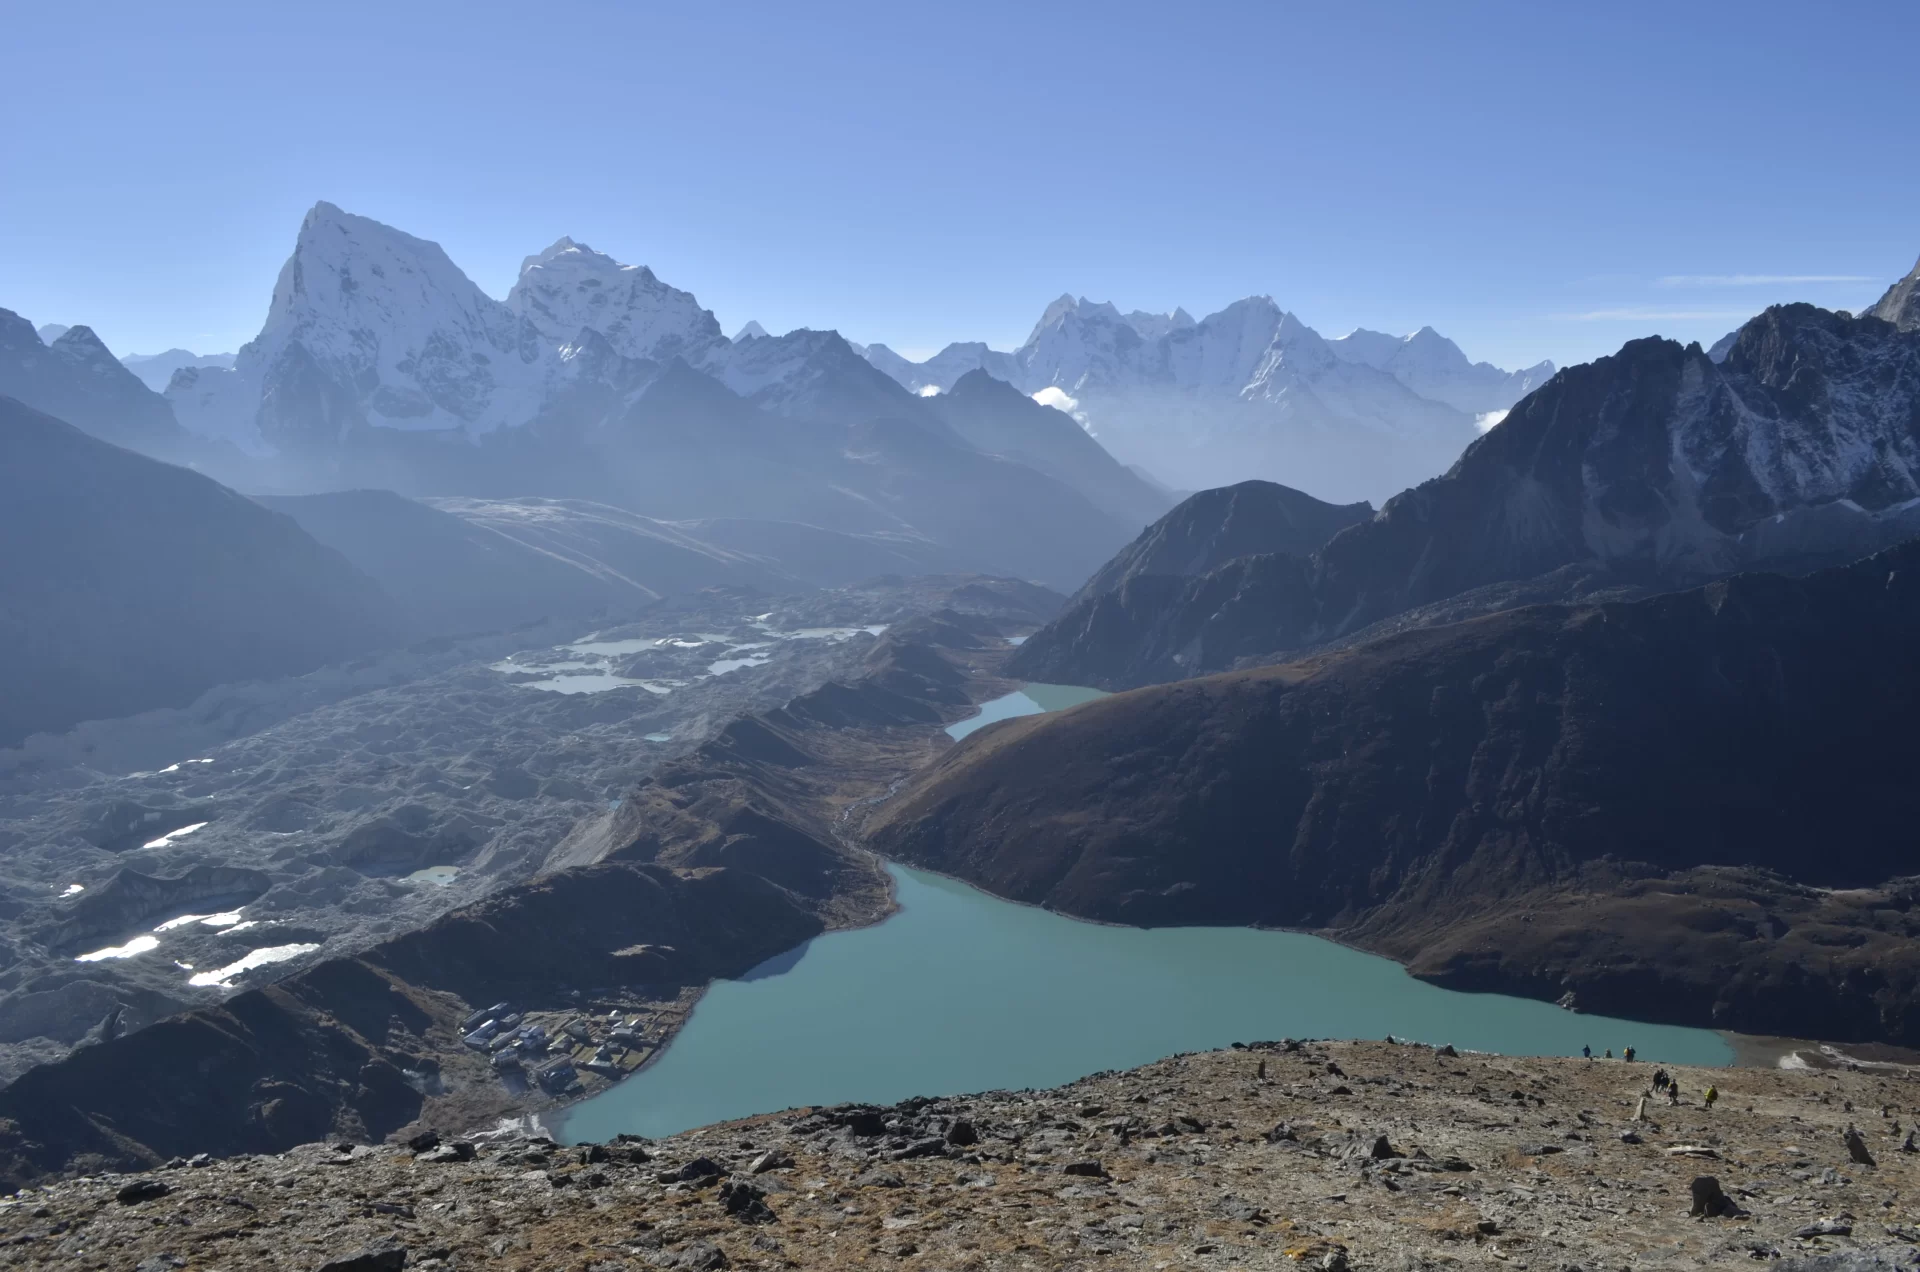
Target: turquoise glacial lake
1027, 700
961, 991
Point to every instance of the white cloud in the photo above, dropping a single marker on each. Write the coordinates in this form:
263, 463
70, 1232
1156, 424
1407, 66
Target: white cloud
1057, 398
1756, 280
1060, 400
929, 390
1485, 421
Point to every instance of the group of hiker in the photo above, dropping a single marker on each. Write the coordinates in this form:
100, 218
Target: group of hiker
1662, 1080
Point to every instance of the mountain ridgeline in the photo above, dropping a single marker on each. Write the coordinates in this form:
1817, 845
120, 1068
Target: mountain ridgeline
1250, 391
1645, 804
1653, 468
381, 365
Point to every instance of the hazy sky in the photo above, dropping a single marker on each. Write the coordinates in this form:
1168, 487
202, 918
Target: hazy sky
1535, 180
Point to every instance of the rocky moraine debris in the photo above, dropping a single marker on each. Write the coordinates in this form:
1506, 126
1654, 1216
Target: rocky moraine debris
1245, 1158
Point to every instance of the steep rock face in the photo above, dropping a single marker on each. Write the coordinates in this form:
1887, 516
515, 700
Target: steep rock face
76, 379
1415, 786
371, 327
1901, 305
131, 584
1802, 447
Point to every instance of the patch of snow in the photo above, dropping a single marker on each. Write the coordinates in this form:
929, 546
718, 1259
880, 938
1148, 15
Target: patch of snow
138, 945
168, 838
74, 889
722, 666
222, 977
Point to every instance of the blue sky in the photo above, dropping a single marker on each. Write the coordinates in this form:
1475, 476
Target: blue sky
1535, 180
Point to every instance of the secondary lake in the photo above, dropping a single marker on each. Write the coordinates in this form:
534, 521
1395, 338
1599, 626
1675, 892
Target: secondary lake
1026, 700
961, 991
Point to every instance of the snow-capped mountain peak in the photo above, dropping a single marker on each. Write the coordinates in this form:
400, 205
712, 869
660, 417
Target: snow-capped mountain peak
570, 287
754, 331
1434, 367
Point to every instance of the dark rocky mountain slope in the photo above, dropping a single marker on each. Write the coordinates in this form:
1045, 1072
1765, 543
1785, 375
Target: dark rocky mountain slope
995, 417
1694, 807
75, 378
1802, 448
1216, 526
127, 584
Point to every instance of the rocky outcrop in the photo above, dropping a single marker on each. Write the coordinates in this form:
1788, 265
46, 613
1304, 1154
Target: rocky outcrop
130, 584
1439, 783
1800, 449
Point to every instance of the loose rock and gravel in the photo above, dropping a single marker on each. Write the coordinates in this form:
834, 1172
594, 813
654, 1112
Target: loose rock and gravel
1276, 1155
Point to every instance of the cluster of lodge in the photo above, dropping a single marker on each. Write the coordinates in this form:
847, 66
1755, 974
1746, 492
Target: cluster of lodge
519, 1047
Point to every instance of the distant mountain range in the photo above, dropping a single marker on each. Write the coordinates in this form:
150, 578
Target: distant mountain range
382, 366
154, 369
1654, 468
1248, 392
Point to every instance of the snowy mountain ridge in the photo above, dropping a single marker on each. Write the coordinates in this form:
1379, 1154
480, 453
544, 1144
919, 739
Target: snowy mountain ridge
370, 326
1250, 391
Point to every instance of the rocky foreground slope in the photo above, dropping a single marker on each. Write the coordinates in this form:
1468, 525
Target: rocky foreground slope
1278, 1155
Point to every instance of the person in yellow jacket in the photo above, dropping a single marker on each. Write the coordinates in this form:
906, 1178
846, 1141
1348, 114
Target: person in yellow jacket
1713, 1093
